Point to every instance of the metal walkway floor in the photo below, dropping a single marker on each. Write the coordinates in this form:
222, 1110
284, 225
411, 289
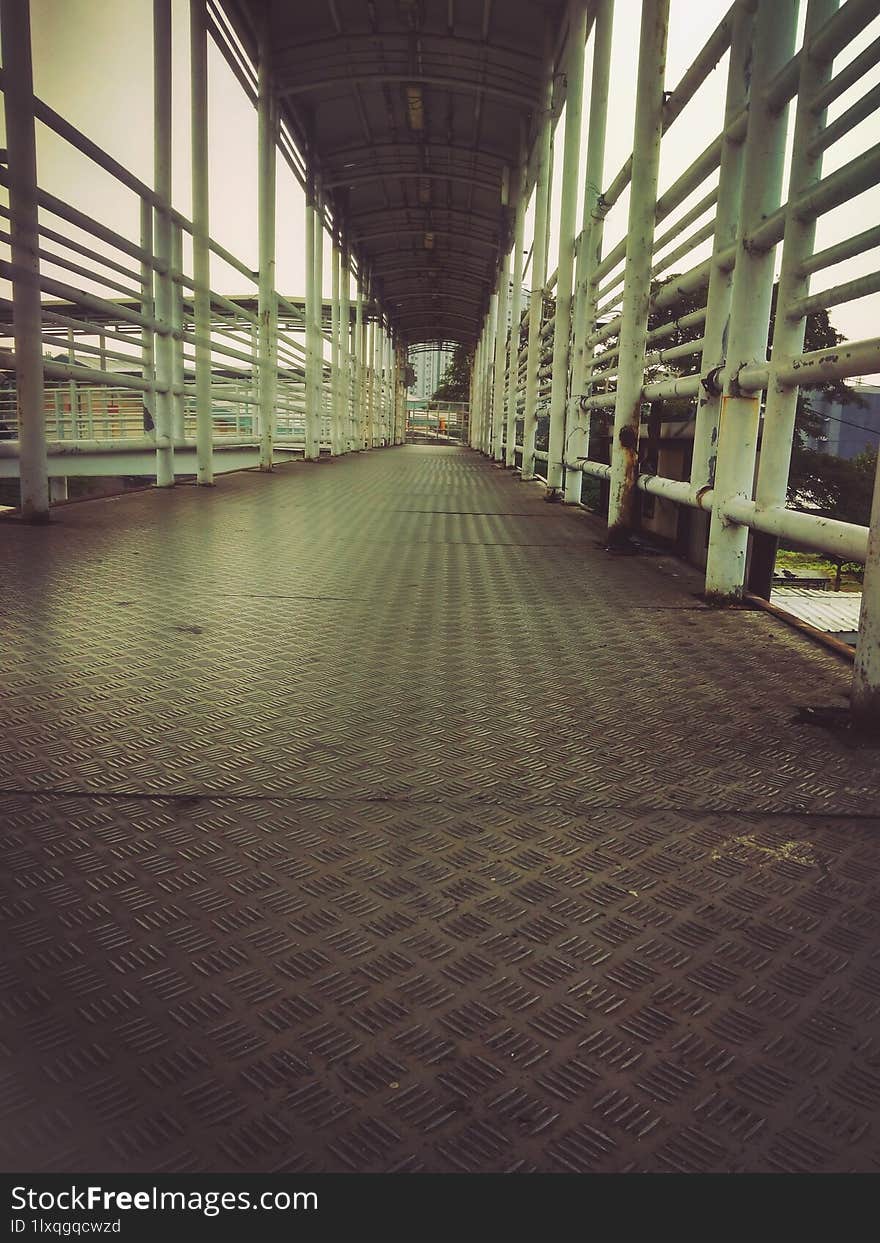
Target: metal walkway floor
369, 816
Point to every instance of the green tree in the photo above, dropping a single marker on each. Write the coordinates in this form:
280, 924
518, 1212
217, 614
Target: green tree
456, 382
835, 487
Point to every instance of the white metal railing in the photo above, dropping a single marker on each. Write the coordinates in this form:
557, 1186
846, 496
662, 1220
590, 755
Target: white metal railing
110, 337
621, 331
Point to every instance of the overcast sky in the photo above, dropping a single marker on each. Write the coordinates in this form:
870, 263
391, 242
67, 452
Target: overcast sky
92, 62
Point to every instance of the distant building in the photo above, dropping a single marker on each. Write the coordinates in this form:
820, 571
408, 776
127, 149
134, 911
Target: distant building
429, 362
850, 427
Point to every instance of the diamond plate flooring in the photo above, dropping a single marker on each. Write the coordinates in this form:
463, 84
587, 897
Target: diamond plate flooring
369, 816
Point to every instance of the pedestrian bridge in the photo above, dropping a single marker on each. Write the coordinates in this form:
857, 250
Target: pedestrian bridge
398, 807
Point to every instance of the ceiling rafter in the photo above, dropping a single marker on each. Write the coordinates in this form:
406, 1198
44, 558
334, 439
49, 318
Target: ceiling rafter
426, 166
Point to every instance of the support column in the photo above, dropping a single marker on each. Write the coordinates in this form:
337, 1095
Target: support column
485, 353
178, 397
359, 396
590, 248
335, 385
516, 306
148, 371
489, 405
477, 393
399, 394
376, 404
164, 349
314, 352
539, 273
379, 406
369, 374
345, 342
750, 302
496, 448
268, 306
788, 333
389, 389
201, 232
577, 35
15, 30
319, 315
637, 279
721, 275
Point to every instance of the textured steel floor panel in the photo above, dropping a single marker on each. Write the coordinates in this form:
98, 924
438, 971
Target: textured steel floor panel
369, 816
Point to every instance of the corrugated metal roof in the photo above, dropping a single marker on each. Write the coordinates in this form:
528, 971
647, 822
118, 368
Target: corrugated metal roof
413, 114
834, 611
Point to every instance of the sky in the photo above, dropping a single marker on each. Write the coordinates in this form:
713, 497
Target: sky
92, 63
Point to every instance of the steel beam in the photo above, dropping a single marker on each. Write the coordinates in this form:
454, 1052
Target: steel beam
201, 247
637, 288
496, 445
268, 306
717, 319
15, 32
314, 312
516, 303
164, 349
577, 35
763, 158
544, 143
590, 246
335, 364
788, 334
345, 345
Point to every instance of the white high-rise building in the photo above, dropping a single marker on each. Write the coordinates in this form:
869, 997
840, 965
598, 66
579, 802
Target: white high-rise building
429, 363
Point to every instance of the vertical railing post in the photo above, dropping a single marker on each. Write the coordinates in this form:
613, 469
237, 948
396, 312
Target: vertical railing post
590, 247
267, 302
788, 334
164, 349
73, 391
486, 376
147, 309
345, 343
178, 396
389, 386
715, 329
366, 365
380, 380
763, 165
516, 305
15, 28
539, 271
477, 397
368, 370
319, 314
314, 315
496, 447
335, 386
489, 408
358, 351
376, 403
201, 232
577, 35
399, 401
637, 284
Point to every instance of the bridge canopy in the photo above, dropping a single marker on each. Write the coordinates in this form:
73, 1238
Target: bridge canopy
413, 113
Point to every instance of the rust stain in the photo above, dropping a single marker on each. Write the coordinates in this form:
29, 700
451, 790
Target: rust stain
785, 852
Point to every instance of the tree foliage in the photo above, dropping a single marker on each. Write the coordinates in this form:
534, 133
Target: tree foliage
837, 487
455, 383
